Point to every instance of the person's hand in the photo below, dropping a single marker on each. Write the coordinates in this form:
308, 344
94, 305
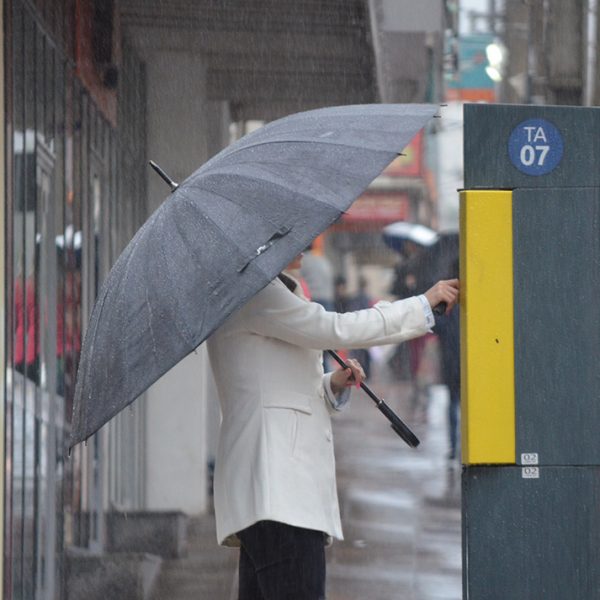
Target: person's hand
343, 378
443, 291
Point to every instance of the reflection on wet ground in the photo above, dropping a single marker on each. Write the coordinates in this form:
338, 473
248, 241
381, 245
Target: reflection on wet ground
400, 506
400, 512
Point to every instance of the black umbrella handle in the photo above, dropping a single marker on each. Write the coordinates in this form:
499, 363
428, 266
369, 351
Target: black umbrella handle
396, 422
440, 309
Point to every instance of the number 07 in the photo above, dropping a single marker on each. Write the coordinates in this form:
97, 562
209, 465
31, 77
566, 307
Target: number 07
528, 154
544, 151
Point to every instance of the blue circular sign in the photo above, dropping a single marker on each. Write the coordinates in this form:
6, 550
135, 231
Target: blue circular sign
535, 147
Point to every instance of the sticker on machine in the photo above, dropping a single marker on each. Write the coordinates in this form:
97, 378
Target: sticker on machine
530, 458
530, 472
535, 147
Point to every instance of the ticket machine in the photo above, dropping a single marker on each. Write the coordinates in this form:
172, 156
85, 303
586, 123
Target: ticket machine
530, 344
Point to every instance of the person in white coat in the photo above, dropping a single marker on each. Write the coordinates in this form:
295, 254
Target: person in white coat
275, 489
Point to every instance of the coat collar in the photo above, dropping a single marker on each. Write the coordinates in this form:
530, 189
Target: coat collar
292, 284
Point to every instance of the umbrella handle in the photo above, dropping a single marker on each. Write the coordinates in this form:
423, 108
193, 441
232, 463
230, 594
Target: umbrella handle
440, 309
396, 422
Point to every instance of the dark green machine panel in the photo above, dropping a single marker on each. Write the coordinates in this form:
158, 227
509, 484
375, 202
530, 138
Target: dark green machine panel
486, 151
531, 539
533, 532
557, 324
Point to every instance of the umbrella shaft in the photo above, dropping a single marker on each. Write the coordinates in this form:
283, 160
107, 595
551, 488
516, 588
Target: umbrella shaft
363, 385
397, 424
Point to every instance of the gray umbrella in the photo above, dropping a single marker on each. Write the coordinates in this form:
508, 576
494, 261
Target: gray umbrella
223, 235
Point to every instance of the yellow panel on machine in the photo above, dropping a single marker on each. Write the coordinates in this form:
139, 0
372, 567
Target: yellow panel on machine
487, 340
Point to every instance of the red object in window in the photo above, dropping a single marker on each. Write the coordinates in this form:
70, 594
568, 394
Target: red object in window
26, 344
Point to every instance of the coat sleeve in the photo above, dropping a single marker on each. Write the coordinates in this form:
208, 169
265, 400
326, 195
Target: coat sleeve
335, 403
276, 312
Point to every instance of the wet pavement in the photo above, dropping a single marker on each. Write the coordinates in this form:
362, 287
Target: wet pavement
400, 513
400, 506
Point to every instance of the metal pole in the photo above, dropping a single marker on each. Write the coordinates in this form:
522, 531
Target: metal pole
2, 305
590, 66
529, 74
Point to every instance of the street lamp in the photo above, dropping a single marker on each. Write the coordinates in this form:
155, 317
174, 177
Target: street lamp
496, 56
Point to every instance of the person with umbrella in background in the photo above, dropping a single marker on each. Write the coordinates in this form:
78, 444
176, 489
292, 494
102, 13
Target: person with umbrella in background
275, 486
409, 281
430, 256
441, 261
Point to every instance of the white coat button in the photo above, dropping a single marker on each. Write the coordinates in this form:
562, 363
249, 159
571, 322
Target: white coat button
328, 435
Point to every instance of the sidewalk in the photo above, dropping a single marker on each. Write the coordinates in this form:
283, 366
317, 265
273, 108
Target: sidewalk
400, 513
400, 506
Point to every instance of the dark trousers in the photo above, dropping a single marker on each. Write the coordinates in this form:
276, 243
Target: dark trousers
281, 562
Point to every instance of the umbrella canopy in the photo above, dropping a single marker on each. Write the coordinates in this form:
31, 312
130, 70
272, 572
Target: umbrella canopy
222, 236
396, 234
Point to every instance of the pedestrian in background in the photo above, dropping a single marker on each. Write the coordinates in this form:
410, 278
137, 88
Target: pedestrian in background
341, 304
447, 328
318, 273
360, 301
341, 300
409, 281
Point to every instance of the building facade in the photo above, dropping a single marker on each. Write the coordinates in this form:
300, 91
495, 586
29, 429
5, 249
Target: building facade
68, 170
552, 55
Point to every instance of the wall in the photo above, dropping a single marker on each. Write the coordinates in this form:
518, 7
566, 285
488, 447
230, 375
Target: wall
408, 47
177, 439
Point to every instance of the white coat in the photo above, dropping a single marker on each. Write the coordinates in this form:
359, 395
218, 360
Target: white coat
275, 456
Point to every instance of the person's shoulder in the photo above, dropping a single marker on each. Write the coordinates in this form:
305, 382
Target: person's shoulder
274, 294
274, 287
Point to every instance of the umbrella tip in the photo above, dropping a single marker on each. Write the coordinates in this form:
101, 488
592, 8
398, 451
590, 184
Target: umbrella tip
172, 184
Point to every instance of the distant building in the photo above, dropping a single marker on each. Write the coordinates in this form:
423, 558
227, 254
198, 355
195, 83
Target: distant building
552, 53
469, 80
408, 44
